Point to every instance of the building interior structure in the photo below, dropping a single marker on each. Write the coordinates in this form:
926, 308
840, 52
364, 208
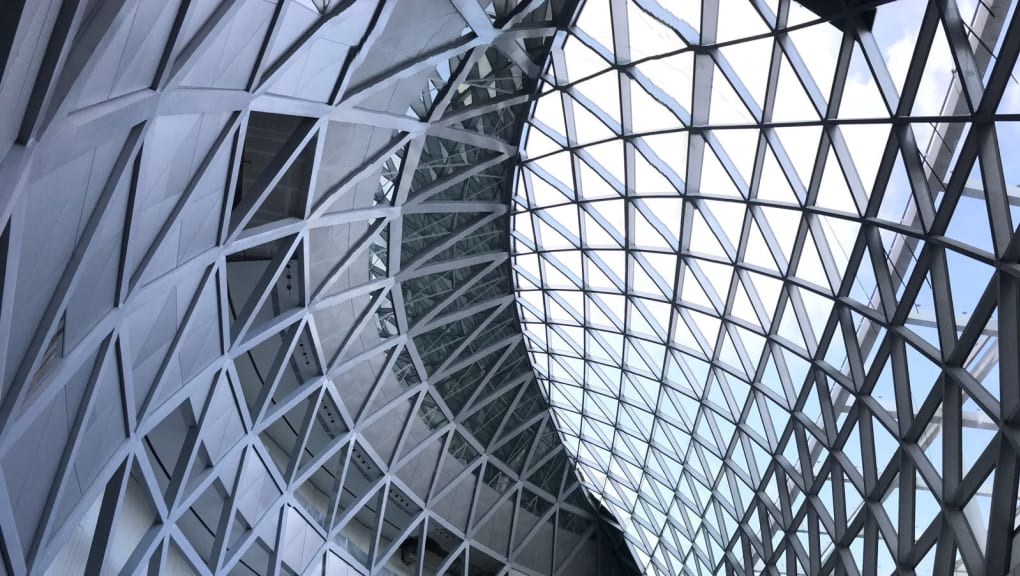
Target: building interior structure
509, 287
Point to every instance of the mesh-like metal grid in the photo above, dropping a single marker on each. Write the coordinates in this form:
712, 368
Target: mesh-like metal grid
767, 269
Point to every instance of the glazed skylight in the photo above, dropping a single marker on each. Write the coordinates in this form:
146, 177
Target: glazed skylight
755, 263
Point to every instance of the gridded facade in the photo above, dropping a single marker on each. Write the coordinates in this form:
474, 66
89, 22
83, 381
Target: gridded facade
255, 304
767, 268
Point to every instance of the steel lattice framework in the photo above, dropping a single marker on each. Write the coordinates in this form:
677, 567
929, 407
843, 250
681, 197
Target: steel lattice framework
255, 303
768, 271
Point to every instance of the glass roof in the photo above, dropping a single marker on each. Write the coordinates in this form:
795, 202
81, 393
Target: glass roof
756, 258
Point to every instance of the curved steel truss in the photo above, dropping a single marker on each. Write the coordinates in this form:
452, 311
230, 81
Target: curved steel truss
255, 306
768, 272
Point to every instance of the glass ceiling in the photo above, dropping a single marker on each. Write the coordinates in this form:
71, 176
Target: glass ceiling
765, 266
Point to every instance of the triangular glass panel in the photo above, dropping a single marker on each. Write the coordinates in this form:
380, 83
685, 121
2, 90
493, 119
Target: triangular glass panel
648, 113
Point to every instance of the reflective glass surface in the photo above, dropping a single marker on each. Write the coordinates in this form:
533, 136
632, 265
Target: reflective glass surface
766, 264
